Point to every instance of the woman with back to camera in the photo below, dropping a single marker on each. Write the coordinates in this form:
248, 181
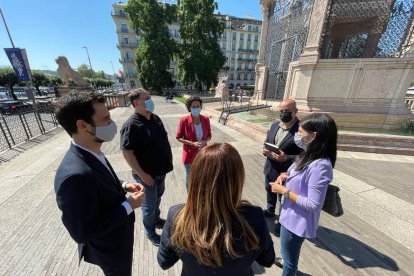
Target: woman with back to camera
216, 232
194, 132
306, 183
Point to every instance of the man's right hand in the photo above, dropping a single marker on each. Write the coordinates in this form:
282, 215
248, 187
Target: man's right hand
147, 179
136, 199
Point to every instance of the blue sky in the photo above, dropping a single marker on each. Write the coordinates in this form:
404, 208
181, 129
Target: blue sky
50, 28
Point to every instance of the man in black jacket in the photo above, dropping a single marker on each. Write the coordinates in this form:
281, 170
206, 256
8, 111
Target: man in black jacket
92, 199
282, 135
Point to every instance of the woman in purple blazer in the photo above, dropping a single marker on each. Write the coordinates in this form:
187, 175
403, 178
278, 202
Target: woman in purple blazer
306, 183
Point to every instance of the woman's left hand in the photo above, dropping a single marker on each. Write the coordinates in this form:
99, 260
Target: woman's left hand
277, 188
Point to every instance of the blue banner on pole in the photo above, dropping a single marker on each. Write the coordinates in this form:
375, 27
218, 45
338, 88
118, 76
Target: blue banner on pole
18, 63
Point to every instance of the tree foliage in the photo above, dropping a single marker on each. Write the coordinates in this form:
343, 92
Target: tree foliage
200, 57
149, 18
99, 82
85, 71
39, 79
8, 79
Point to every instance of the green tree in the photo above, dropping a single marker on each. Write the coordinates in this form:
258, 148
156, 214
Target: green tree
39, 79
8, 79
200, 58
156, 50
55, 82
85, 71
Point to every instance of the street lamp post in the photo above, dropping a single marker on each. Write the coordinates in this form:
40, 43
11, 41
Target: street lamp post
113, 72
90, 66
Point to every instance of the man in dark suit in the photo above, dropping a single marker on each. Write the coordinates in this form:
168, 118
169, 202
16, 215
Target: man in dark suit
282, 135
92, 199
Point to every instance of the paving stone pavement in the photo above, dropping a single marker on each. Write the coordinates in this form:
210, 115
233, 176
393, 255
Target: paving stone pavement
375, 236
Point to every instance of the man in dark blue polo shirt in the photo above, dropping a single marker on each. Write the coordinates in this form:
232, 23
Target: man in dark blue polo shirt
145, 146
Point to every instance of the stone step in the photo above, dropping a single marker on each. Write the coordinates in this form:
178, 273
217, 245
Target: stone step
347, 141
377, 140
376, 149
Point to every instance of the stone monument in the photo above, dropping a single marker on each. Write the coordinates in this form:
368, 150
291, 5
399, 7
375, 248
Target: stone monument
356, 62
69, 75
222, 89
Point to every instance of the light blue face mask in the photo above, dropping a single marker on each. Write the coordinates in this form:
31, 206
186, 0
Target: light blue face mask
149, 105
299, 142
196, 111
106, 133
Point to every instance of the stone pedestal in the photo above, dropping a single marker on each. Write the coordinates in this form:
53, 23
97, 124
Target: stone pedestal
358, 93
63, 90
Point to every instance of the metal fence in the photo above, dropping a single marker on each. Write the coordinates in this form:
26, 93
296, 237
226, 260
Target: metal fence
368, 29
287, 34
25, 124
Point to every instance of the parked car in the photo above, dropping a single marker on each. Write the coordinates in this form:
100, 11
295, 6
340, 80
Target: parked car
13, 107
410, 91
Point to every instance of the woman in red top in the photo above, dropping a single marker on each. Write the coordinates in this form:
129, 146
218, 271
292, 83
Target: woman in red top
194, 132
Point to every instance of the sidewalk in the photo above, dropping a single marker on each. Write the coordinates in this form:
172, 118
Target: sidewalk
375, 236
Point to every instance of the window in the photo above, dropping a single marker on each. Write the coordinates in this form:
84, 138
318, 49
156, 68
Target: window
132, 83
249, 37
176, 33
241, 36
249, 28
125, 41
245, 76
234, 36
252, 77
231, 76
225, 35
128, 55
256, 38
124, 28
224, 46
233, 47
238, 76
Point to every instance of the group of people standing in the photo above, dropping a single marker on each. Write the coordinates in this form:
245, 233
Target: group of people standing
215, 232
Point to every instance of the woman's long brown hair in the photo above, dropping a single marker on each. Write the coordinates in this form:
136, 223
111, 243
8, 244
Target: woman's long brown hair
205, 225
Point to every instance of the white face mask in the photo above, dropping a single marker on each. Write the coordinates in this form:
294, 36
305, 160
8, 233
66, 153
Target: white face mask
106, 133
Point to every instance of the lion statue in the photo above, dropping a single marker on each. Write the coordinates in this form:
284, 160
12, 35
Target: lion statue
67, 73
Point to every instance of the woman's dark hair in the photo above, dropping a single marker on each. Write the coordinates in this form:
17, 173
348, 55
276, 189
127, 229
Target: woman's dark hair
77, 106
191, 100
324, 144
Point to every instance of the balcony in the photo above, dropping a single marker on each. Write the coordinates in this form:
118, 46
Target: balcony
127, 45
247, 60
126, 60
248, 50
131, 75
119, 14
123, 30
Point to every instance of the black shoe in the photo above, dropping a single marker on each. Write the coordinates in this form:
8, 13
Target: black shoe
277, 229
279, 262
160, 223
268, 214
155, 239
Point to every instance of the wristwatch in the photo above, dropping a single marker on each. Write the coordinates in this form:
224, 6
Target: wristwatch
286, 195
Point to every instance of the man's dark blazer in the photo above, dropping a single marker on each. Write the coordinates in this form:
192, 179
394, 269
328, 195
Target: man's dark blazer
274, 168
90, 199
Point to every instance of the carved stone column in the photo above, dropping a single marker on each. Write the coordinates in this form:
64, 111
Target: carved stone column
319, 14
268, 7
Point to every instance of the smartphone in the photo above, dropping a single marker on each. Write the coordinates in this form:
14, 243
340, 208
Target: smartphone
272, 148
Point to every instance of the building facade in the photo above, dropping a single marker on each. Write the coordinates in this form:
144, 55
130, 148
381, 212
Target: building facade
240, 43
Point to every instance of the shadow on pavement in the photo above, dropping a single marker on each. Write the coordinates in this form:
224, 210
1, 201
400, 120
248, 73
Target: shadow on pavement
351, 251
